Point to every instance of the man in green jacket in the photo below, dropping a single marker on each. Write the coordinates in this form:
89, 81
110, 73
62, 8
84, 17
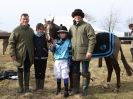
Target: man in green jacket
21, 50
83, 41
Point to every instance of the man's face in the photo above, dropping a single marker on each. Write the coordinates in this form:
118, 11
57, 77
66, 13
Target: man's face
24, 20
77, 18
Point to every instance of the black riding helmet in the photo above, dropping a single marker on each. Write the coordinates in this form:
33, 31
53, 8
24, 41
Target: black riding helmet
78, 12
62, 29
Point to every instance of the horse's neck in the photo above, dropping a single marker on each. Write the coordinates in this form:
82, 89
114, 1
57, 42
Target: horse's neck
47, 33
47, 36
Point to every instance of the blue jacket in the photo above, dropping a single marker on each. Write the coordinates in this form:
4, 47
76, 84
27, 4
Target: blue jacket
61, 49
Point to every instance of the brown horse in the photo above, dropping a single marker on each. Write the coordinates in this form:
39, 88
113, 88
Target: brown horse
5, 44
4, 35
111, 61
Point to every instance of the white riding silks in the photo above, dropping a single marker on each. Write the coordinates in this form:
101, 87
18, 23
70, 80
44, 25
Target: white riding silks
61, 69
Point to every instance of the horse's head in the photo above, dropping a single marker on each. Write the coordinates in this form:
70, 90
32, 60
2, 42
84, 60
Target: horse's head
51, 29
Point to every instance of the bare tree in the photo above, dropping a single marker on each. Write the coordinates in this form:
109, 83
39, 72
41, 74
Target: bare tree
111, 21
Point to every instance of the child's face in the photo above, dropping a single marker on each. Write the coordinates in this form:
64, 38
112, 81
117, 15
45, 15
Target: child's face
62, 35
40, 30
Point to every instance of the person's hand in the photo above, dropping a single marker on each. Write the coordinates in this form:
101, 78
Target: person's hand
88, 55
13, 58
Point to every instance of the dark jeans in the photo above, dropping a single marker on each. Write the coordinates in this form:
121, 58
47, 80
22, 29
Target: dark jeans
40, 68
75, 67
27, 64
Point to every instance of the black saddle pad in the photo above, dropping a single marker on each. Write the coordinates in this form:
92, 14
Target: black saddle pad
104, 45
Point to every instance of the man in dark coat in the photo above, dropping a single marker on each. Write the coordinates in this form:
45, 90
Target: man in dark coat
21, 50
83, 41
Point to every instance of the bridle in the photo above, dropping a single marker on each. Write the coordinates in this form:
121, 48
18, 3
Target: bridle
50, 30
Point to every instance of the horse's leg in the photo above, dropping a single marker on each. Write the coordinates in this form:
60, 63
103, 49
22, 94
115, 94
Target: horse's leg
131, 50
117, 72
110, 70
5, 44
100, 62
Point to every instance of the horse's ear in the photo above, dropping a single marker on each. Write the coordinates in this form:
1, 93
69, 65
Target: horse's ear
45, 20
52, 20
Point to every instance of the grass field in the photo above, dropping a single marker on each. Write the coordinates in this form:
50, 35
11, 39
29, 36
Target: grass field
8, 87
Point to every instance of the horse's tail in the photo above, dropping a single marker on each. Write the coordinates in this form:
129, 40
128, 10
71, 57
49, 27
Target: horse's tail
129, 70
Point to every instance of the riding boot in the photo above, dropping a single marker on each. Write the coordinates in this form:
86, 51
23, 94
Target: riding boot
26, 81
66, 94
58, 90
41, 84
85, 84
37, 84
76, 84
20, 80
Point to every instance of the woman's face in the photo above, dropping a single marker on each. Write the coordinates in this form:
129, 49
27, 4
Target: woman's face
77, 18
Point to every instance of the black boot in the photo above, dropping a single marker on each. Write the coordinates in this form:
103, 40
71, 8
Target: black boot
20, 80
66, 94
85, 83
58, 90
41, 84
76, 84
37, 84
26, 81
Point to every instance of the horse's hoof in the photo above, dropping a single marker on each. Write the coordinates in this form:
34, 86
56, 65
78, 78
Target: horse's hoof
116, 90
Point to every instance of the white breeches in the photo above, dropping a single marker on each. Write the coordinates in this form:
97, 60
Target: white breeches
61, 69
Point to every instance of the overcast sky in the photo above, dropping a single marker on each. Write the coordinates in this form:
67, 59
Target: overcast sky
10, 10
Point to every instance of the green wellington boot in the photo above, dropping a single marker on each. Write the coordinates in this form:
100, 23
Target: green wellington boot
20, 80
85, 84
26, 81
41, 84
76, 84
37, 84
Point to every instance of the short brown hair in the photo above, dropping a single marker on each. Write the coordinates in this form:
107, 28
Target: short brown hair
39, 25
24, 14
